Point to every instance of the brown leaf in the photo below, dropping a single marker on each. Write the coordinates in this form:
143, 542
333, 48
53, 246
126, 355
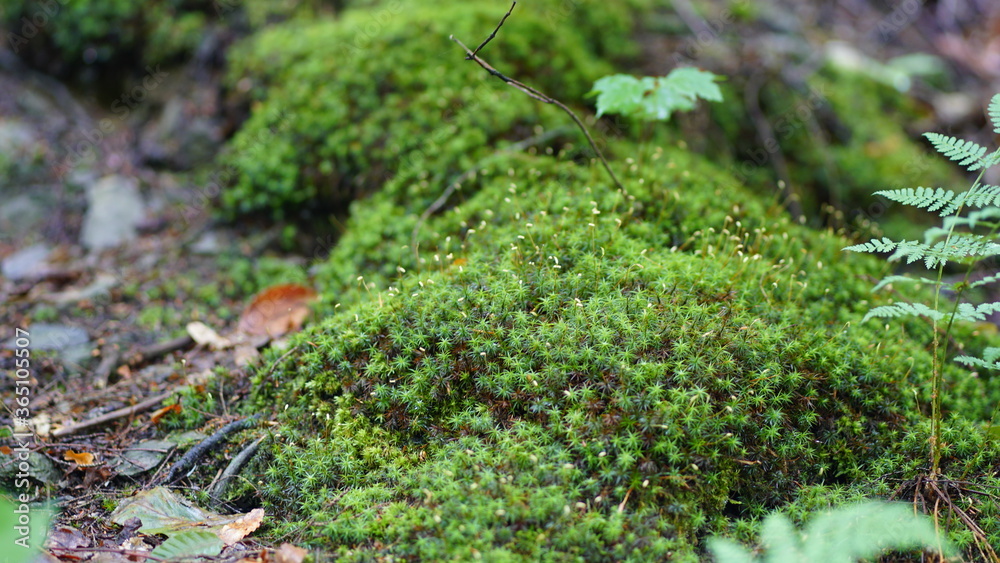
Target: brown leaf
6, 450
83, 459
176, 407
276, 311
289, 553
66, 537
238, 529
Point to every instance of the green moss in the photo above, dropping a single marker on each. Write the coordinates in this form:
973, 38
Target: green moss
383, 93
111, 35
679, 351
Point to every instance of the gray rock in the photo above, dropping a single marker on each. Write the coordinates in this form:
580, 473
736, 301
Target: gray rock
21, 217
16, 137
180, 138
25, 263
114, 210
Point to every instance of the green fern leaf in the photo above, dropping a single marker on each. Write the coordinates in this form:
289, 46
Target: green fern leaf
874, 245
981, 195
935, 254
994, 112
989, 360
904, 310
966, 153
728, 551
783, 543
985, 281
844, 535
924, 198
974, 313
863, 531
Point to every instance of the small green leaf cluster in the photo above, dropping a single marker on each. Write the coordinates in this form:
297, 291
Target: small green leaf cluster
654, 98
342, 106
844, 535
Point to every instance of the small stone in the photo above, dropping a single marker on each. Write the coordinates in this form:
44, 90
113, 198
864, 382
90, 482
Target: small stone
114, 210
26, 263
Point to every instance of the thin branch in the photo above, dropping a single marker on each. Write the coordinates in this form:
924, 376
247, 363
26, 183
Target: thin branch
113, 415
492, 35
533, 93
188, 460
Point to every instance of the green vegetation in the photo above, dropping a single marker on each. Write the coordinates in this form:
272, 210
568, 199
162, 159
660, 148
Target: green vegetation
655, 98
105, 32
346, 105
860, 531
540, 366
955, 242
657, 362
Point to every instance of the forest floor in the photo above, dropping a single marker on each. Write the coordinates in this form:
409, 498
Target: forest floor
110, 250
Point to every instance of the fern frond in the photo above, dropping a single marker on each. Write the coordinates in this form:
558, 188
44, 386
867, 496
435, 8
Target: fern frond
980, 195
985, 281
966, 153
924, 198
904, 310
843, 535
863, 531
908, 279
970, 312
953, 249
989, 360
994, 112
876, 245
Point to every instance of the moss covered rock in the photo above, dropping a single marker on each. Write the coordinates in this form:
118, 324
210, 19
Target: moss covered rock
565, 371
382, 93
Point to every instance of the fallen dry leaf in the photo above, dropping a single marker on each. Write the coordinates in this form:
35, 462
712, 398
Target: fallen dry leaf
176, 407
276, 311
237, 530
205, 335
83, 459
289, 553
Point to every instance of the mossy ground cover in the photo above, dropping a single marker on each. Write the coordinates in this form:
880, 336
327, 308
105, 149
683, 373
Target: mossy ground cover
547, 368
346, 104
565, 371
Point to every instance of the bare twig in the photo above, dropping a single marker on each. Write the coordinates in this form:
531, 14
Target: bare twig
234, 468
535, 94
113, 415
194, 454
125, 552
492, 35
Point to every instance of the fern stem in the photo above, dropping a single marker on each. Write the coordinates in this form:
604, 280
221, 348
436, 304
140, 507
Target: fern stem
937, 360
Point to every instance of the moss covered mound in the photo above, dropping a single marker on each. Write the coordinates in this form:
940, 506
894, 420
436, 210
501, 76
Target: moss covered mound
567, 371
382, 92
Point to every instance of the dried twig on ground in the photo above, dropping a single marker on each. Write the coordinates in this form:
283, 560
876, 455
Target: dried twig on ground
113, 415
188, 460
